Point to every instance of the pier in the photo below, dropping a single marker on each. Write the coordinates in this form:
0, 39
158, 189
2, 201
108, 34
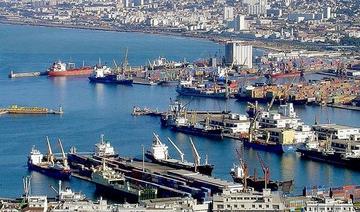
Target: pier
12, 74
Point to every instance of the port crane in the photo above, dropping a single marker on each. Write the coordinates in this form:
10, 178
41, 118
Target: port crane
265, 169
195, 154
177, 148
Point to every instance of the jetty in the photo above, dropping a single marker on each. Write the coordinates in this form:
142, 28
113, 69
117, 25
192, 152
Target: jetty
12, 74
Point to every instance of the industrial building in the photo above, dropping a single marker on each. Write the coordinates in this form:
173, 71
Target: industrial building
238, 54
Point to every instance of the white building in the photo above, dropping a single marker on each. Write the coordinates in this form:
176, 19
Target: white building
327, 13
228, 13
328, 204
285, 118
235, 123
247, 201
238, 54
240, 23
336, 131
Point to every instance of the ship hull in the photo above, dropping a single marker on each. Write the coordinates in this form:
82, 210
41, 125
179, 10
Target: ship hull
259, 184
215, 133
335, 159
111, 192
51, 172
183, 92
283, 75
107, 80
276, 148
72, 72
202, 169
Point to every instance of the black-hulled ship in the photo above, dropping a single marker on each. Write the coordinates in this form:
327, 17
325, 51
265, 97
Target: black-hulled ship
48, 164
344, 153
159, 154
103, 74
176, 120
240, 172
110, 182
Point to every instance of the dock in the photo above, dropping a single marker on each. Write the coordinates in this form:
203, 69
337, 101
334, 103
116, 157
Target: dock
12, 74
170, 182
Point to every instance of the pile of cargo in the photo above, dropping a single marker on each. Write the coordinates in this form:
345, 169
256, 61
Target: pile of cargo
321, 92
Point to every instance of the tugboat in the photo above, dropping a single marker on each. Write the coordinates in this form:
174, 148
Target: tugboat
59, 69
159, 154
111, 182
103, 74
48, 165
240, 172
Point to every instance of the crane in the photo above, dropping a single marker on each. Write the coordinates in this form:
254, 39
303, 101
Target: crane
125, 62
177, 148
265, 169
195, 154
65, 162
50, 155
253, 124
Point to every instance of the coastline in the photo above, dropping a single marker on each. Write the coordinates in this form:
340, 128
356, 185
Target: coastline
109, 29
156, 31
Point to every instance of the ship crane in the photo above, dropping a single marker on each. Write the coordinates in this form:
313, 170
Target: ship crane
195, 154
157, 139
177, 148
244, 167
50, 156
65, 162
253, 125
265, 169
126, 62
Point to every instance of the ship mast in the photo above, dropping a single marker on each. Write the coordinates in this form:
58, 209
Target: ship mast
195, 154
63, 153
177, 148
50, 153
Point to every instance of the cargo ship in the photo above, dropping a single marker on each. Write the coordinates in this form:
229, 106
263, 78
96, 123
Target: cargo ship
60, 69
103, 74
159, 154
257, 140
213, 90
103, 149
15, 109
284, 74
199, 129
240, 172
110, 182
348, 157
176, 120
163, 63
49, 165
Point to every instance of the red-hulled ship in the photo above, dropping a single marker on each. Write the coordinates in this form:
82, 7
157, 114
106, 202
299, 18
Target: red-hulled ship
285, 74
59, 69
